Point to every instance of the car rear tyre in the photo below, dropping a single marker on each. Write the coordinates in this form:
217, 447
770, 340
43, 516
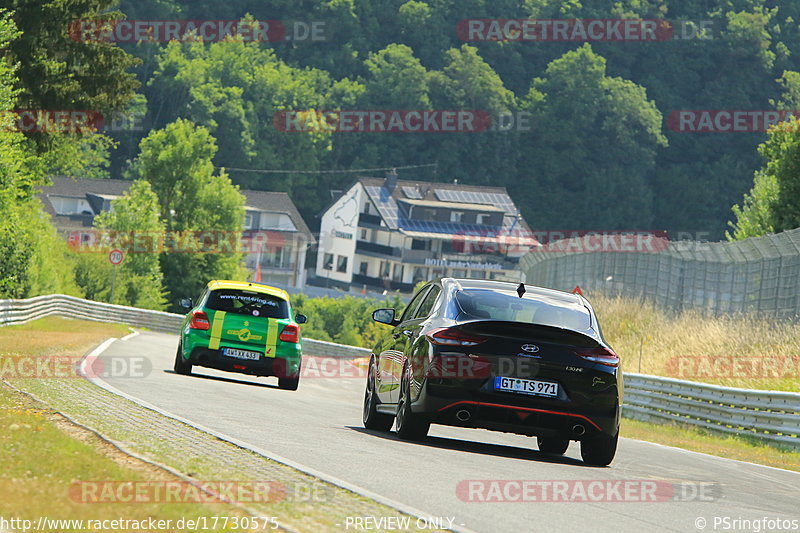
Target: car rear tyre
599, 450
289, 383
552, 445
371, 417
409, 426
181, 366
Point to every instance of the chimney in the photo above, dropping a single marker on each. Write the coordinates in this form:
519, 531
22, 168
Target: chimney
390, 182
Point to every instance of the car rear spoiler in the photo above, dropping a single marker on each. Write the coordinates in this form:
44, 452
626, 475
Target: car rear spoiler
530, 332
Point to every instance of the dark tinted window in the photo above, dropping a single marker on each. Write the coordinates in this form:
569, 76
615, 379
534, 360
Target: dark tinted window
482, 303
248, 303
413, 303
427, 304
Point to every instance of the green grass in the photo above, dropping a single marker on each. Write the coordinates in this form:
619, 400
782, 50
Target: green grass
41, 461
700, 440
43, 454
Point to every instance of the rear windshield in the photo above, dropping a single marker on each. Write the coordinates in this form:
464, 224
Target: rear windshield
248, 303
546, 311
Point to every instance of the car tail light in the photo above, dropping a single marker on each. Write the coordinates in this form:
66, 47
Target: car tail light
454, 337
291, 333
199, 321
604, 356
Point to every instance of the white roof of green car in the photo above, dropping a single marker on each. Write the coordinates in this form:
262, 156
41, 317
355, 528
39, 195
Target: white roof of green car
248, 286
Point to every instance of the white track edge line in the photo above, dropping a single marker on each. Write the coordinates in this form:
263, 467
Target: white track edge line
130, 335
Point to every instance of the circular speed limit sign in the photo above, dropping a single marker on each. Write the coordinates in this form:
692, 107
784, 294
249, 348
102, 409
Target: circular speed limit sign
116, 257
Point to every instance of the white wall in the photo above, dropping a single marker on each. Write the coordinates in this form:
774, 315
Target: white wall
338, 234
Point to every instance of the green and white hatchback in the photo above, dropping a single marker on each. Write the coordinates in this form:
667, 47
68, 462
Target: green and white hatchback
242, 327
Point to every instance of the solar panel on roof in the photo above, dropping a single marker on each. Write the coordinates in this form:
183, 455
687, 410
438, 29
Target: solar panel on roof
385, 204
448, 228
412, 192
503, 201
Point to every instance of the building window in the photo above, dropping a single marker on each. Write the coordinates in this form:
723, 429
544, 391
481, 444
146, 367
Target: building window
327, 263
248, 221
453, 246
419, 244
363, 234
483, 218
362, 268
385, 269
459, 273
341, 264
420, 274
397, 275
479, 274
456, 216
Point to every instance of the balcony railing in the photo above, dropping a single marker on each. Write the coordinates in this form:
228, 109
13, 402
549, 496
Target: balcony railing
371, 247
370, 220
378, 283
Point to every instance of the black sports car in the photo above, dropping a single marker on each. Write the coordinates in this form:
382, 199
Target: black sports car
499, 356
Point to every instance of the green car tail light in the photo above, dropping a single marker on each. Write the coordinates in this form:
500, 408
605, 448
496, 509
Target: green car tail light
199, 321
290, 333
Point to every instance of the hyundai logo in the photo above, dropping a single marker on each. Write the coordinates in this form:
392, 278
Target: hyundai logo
532, 348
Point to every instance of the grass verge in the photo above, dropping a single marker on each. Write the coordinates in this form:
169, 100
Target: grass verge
45, 456
700, 440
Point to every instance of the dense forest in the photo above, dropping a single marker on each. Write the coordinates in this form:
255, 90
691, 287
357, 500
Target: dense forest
598, 152
585, 135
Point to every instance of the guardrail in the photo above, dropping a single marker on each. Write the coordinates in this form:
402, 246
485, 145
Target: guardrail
771, 416
21, 311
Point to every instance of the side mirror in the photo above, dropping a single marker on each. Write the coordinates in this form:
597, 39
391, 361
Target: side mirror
384, 316
186, 303
300, 319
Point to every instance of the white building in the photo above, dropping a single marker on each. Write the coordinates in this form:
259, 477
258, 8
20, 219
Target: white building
385, 233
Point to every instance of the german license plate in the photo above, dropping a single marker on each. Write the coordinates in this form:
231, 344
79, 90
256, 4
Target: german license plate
526, 386
241, 354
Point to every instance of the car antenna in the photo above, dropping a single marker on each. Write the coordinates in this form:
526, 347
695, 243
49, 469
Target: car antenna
521, 289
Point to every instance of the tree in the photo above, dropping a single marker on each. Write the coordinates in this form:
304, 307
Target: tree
139, 278
236, 90
754, 217
773, 204
593, 148
192, 198
61, 70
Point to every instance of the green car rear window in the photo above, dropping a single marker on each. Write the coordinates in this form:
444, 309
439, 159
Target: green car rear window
248, 303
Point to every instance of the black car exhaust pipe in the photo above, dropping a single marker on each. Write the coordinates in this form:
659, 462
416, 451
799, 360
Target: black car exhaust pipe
463, 415
578, 430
